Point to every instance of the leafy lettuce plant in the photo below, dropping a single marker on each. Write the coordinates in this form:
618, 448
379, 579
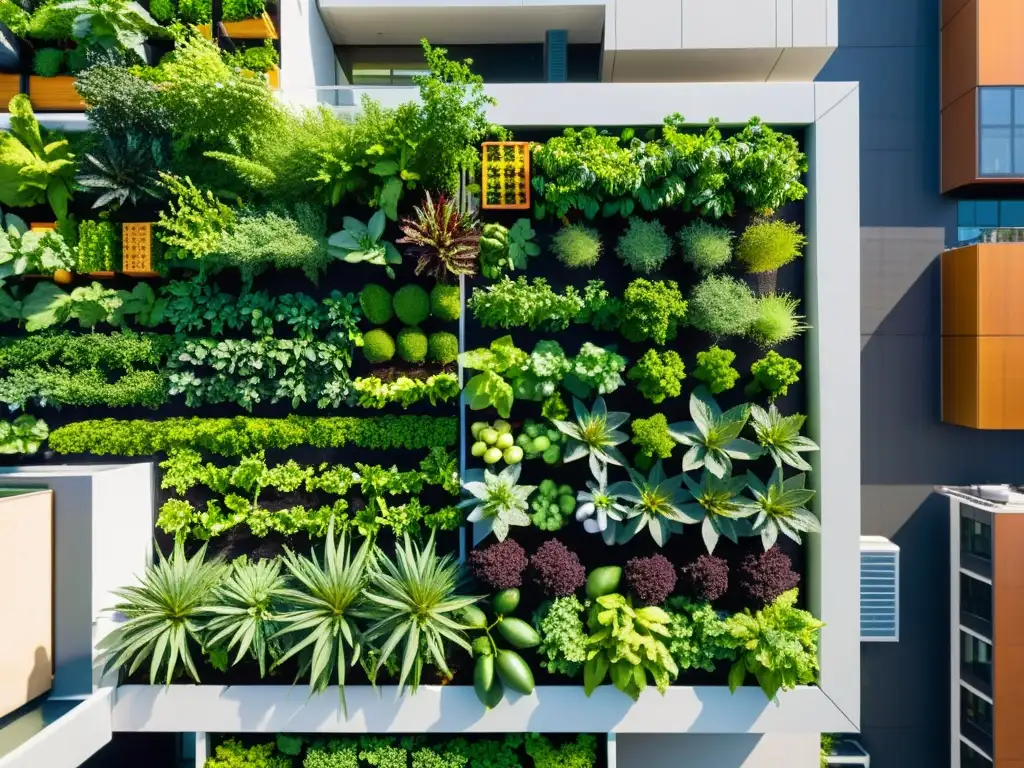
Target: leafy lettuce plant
25, 434
780, 436
35, 168
358, 242
594, 434
563, 638
498, 501
713, 436
719, 508
778, 644
540, 374
653, 503
781, 507
595, 368
628, 644
489, 388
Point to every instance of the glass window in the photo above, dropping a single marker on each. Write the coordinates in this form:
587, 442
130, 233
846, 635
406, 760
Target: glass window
996, 151
975, 538
975, 710
975, 657
1001, 133
1011, 212
972, 758
996, 106
976, 597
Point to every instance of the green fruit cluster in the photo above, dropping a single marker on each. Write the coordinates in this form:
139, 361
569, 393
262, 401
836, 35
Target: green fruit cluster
541, 441
500, 668
552, 505
495, 442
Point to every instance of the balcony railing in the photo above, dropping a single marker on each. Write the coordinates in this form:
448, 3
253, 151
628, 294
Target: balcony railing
975, 235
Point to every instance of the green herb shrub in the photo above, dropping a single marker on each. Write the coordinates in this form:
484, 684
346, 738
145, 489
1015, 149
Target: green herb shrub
563, 638
651, 437
706, 248
510, 303
234, 754
722, 306
714, 368
48, 62
697, 635
375, 301
412, 345
442, 347
577, 246
337, 753
777, 320
36, 165
506, 249
652, 310
25, 434
97, 247
658, 375
243, 435
162, 11
238, 10
552, 505
766, 167
767, 245
378, 346
645, 246
412, 304
260, 58
579, 753
52, 21
595, 370
446, 302
77, 59
195, 220
14, 17
773, 374
372, 392
195, 11
778, 644
277, 237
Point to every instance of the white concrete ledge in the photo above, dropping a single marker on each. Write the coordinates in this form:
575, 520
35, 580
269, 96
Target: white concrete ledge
71, 740
455, 709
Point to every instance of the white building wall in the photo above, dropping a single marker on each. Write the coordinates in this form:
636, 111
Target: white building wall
741, 750
307, 53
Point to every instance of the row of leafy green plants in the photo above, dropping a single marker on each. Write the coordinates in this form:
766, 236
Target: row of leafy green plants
244, 191
531, 750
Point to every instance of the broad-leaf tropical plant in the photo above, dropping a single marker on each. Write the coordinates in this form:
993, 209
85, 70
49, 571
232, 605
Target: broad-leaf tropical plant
35, 168
594, 434
444, 240
718, 507
653, 503
165, 614
357, 242
780, 436
497, 501
412, 601
243, 610
781, 507
713, 435
599, 510
113, 25
320, 607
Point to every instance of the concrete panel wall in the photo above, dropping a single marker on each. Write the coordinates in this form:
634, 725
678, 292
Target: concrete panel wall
792, 750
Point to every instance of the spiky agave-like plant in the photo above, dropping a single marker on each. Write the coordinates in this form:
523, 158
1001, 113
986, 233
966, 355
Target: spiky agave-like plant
599, 510
444, 240
413, 600
123, 169
594, 434
713, 436
719, 508
653, 503
165, 614
780, 507
498, 501
321, 607
780, 436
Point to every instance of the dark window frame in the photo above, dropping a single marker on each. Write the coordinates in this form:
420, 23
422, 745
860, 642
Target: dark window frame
972, 758
977, 674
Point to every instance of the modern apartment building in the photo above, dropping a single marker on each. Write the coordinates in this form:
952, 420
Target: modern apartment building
910, 109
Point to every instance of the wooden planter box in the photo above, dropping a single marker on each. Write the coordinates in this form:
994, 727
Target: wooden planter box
54, 94
506, 176
206, 30
137, 249
259, 28
10, 86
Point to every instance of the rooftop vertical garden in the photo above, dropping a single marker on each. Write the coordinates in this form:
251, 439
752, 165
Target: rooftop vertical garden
268, 306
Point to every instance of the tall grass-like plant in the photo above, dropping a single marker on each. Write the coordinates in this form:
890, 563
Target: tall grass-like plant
165, 615
765, 246
777, 320
243, 610
706, 248
412, 601
320, 607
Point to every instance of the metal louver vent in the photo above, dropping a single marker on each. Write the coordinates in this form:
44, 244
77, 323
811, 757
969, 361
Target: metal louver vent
879, 590
556, 55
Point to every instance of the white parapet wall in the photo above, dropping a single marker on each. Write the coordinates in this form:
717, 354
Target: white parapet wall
103, 540
71, 740
771, 750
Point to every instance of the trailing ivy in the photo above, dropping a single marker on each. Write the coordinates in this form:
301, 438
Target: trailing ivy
243, 435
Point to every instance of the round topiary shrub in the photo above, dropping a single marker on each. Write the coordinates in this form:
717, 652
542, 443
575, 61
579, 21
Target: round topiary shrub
644, 246
376, 303
706, 247
412, 345
765, 576
777, 320
557, 569
767, 245
378, 346
443, 347
48, 62
445, 302
722, 306
412, 304
499, 565
576, 246
651, 579
706, 578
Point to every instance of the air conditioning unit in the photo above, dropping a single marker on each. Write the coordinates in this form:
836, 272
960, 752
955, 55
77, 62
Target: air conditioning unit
879, 590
